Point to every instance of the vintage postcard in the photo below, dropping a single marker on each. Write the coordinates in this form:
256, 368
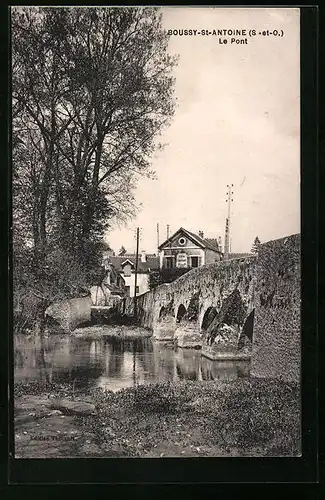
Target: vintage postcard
156, 232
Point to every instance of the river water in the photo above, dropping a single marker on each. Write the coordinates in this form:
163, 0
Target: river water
114, 364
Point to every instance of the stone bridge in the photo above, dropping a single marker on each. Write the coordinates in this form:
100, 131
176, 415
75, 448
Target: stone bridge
200, 305
234, 309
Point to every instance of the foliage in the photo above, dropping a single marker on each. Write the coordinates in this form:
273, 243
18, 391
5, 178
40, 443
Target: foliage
159, 398
256, 245
159, 276
64, 275
122, 251
92, 90
40, 387
261, 413
105, 247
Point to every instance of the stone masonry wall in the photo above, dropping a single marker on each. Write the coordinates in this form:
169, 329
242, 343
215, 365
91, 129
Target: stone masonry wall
276, 334
70, 313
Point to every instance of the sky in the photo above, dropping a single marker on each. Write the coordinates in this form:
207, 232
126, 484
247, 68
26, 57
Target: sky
237, 122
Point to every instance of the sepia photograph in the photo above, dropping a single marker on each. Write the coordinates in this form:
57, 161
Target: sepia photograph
156, 274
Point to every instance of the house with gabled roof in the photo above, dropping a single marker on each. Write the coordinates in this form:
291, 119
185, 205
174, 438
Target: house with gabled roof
126, 265
110, 284
185, 249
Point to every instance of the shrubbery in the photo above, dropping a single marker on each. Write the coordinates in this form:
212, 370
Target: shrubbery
159, 276
160, 398
259, 413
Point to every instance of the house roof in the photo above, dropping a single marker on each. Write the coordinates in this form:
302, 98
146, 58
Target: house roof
209, 243
152, 262
127, 261
113, 288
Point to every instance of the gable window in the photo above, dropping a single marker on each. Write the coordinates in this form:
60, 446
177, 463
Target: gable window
127, 270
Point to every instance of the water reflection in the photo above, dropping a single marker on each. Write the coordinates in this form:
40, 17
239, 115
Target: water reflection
115, 364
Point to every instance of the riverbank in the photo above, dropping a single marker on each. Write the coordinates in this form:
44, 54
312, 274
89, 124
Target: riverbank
247, 417
123, 332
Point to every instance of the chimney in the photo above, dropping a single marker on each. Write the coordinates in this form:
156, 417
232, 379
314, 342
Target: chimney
143, 256
201, 234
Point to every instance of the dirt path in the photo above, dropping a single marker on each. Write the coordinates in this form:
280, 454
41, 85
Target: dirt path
44, 431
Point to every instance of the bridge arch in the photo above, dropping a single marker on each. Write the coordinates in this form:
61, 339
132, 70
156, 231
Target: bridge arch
249, 325
193, 308
181, 311
247, 330
163, 312
208, 317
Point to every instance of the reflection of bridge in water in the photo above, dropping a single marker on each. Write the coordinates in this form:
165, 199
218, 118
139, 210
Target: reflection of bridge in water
115, 364
147, 362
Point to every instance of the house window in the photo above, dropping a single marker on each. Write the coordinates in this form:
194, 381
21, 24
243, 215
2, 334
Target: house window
127, 291
194, 262
181, 260
136, 289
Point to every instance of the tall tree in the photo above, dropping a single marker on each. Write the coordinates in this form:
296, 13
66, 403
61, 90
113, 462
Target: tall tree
256, 245
122, 96
92, 92
122, 251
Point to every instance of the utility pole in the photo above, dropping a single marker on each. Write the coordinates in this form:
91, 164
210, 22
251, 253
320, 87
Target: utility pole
158, 254
227, 230
170, 246
136, 276
158, 237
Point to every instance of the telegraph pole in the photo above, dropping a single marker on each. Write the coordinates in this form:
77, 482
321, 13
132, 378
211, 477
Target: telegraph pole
227, 230
158, 244
170, 246
158, 237
136, 276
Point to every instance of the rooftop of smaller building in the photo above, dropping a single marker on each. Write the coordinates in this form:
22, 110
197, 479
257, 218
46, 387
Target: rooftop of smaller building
152, 262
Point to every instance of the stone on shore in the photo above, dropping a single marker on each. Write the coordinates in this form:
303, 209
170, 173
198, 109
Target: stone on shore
74, 407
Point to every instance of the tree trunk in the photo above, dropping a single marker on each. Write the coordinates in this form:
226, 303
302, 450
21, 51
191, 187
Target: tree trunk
89, 217
40, 318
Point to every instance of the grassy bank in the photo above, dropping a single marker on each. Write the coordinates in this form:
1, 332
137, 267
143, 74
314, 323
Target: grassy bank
123, 332
247, 417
